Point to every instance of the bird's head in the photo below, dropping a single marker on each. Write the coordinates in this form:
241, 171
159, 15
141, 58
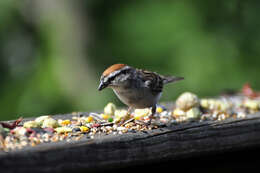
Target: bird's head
111, 74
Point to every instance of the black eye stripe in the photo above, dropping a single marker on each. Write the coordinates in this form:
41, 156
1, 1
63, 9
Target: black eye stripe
110, 78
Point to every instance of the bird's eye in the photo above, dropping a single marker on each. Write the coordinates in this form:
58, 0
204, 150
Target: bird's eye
125, 71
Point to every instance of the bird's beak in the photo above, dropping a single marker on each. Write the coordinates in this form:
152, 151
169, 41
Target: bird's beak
101, 86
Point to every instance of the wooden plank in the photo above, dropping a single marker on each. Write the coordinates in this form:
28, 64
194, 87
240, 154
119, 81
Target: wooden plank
180, 141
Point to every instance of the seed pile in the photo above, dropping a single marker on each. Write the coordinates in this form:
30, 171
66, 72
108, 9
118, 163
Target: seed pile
188, 107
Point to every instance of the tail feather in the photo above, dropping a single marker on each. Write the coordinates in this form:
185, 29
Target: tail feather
169, 79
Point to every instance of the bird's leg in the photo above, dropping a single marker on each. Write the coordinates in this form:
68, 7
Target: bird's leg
128, 117
153, 112
152, 115
129, 111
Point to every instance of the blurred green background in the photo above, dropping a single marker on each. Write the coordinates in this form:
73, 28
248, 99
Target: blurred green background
52, 53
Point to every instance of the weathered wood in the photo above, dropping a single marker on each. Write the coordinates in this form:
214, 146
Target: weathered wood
113, 151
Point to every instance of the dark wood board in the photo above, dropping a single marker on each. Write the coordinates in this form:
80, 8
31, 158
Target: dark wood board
174, 142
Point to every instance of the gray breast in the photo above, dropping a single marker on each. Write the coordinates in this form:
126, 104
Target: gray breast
137, 98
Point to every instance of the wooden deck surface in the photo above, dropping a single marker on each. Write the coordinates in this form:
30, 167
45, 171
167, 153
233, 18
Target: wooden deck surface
107, 152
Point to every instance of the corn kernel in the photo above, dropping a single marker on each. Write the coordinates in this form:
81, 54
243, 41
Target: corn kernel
159, 109
105, 116
84, 129
89, 119
65, 122
138, 117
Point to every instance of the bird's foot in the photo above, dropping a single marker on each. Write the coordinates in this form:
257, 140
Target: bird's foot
151, 117
148, 120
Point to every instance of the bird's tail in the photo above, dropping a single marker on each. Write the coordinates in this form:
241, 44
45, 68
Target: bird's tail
169, 79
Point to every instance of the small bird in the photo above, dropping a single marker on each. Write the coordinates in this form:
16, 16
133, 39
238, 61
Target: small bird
136, 88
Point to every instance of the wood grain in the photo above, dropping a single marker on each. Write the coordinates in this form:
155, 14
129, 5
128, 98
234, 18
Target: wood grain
180, 141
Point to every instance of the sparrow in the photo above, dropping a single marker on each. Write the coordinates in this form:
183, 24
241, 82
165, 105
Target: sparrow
136, 88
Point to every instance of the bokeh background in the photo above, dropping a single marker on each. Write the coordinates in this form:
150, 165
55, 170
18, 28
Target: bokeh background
53, 52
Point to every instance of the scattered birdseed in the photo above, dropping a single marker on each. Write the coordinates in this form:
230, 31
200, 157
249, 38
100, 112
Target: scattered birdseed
65, 122
113, 121
105, 116
50, 122
31, 124
110, 119
187, 100
159, 109
89, 119
120, 115
139, 114
40, 119
84, 129
110, 109
96, 116
63, 129
193, 113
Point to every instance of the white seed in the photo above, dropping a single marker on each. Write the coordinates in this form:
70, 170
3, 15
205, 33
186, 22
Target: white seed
31, 124
193, 113
164, 120
120, 114
251, 104
114, 127
40, 119
20, 131
120, 128
187, 100
50, 122
110, 109
221, 117
241, 115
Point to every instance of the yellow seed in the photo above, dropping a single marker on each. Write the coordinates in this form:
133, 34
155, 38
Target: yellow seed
65, 122
84, 129
60, 130
89, 119
138, 117
105, 116
159, 109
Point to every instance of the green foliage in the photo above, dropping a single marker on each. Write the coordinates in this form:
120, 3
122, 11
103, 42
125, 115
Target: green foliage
51, 57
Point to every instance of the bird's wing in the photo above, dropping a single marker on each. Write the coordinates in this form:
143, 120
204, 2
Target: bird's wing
151, 80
